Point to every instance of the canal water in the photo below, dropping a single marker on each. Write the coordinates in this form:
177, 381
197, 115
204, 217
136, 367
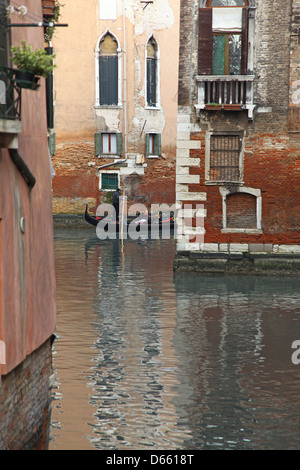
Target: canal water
147, 359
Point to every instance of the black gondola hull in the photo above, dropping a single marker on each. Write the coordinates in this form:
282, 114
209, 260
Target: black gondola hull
115, 226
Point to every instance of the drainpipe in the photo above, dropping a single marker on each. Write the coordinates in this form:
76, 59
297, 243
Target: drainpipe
125, 81
22, 167
123, 160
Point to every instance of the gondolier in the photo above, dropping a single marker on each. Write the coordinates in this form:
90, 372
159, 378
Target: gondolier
116, 202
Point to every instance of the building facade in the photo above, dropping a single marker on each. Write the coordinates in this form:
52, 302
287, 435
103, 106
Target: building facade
27, 276
238, 164
115, 102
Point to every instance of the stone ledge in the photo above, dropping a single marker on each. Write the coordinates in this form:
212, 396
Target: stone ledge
236, 263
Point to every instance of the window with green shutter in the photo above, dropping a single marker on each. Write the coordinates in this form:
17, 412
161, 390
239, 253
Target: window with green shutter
108, 143
153, 145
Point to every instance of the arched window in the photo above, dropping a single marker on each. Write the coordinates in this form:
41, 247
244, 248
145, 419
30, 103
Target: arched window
108, 71
223, 37
227, 3
152, 73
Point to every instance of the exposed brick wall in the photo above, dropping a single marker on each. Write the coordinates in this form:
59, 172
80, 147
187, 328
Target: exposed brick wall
241, 211
25, 403
271, 155
76, 182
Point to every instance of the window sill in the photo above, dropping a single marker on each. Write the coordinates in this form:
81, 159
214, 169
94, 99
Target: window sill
107, 106
109, 155
153, 108
253, 231
224, 183
152, 156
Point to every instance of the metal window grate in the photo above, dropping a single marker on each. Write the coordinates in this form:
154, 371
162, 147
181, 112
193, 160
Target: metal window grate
224, 158
109, 180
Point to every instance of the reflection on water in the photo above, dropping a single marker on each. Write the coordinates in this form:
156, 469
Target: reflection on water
146, 359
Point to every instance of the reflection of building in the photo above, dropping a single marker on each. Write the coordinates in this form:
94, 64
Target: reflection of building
238, 125
27, 278
116, 101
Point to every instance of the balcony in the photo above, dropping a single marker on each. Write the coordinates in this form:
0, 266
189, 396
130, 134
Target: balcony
10, 108
225, 92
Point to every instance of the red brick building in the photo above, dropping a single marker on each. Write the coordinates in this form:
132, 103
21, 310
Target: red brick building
27, 275
238, 161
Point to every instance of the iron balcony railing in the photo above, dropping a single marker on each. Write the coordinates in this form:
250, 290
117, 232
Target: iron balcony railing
10, 95
232, 92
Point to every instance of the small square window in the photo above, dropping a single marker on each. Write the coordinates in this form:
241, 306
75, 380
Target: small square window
109, 181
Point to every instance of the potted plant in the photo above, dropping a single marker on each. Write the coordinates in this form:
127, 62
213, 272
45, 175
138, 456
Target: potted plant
31, 65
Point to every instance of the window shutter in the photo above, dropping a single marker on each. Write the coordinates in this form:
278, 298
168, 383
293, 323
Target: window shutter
98, 144
205, 41
119, 143
244, 61
147, 144
151, 82
157, 144
108, 80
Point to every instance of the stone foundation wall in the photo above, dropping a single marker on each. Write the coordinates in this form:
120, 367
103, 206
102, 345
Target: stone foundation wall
25, 403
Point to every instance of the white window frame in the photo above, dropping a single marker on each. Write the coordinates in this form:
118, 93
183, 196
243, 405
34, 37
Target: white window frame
101, 172
254, 192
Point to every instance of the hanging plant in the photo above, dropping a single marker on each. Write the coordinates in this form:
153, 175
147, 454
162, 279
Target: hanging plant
31, 65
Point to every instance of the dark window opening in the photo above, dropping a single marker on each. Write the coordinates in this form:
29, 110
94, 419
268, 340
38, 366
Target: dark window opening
152, 72
108, 71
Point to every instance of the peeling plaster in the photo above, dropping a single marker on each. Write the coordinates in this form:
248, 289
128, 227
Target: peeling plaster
157, 15
295, 88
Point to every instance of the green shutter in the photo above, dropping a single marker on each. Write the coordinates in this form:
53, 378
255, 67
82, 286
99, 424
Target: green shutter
98, 144
147, 144
119, 143
157, 144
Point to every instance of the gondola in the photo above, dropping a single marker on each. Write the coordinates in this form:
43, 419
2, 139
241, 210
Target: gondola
150, 221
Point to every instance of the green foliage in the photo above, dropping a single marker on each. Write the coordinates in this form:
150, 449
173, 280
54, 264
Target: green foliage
50, 30
38, 62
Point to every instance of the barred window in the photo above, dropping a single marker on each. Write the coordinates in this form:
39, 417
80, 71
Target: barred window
109, 181
224, 161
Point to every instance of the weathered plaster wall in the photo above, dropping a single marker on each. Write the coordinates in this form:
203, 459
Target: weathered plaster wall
77, 118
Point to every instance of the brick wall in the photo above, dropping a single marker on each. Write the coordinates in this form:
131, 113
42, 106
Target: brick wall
271, 148
25, 403
76, 182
